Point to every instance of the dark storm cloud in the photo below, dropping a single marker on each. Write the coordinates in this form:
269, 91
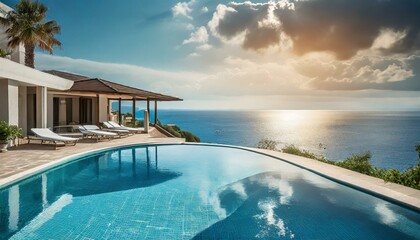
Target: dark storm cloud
342, 27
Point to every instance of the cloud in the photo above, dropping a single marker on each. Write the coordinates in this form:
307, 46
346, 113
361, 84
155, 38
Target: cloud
204, 47
193, 55
254, 24
189, 26
183, 9
364, 71
199, 36
339, 27
204, 9
243, 84
239, 77
166, 82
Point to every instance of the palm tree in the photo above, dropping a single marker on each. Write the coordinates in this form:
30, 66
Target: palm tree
27, 25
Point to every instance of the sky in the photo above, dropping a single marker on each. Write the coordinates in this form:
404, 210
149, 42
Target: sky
307, 54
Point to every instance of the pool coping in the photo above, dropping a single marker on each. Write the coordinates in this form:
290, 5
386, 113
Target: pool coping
399, 194
5, 182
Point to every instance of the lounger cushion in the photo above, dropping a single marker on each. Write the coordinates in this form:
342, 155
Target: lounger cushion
116, 125
93, 129
47, 134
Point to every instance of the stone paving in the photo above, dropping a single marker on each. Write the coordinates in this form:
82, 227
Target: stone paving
22, 160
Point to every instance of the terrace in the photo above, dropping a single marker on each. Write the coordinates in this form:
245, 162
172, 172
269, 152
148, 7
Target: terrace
27, 159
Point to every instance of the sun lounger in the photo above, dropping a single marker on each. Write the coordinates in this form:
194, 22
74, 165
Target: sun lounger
46, 135
119, 131
116, 125
95, 131
112, 127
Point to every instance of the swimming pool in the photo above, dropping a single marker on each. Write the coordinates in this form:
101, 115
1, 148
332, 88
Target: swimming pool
194, 191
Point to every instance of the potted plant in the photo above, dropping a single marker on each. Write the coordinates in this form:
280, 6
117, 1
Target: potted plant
5, 134
8, 135
15, 134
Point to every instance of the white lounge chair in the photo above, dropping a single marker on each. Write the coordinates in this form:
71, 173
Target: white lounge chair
113, 128
95, 131
119, 131
116, 125
46, 135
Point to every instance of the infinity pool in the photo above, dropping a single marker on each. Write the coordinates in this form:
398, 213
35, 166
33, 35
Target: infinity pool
194, 191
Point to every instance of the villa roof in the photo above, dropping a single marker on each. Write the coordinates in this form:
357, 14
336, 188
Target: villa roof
4, 9
102, 86
26, 76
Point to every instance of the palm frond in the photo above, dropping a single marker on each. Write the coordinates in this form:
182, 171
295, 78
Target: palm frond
27, 25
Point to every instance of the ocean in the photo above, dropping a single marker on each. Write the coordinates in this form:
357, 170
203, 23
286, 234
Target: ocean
390, 136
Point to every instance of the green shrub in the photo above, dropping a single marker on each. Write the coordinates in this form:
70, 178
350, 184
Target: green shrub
9, 132
267, 144
411, 177
359, 163
171, 131
392, 175
418, 150
5, 131
179, 133
292, 149
16, 132
4, 53
189, 137
139, 123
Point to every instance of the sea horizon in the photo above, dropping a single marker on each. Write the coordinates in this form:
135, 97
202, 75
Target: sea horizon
390, 136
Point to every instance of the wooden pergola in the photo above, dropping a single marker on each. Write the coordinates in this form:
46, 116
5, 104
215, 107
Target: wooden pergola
93, 87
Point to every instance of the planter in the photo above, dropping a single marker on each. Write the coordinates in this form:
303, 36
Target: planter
3, 146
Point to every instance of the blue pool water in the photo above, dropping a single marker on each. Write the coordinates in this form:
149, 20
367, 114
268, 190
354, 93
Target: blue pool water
198, 192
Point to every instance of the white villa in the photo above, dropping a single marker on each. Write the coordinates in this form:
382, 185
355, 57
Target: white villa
32, 98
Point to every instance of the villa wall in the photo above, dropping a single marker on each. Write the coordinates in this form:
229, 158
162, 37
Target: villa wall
76, 109
62, 114
30, 108
103, 108
18, 54
94, 110
50, 116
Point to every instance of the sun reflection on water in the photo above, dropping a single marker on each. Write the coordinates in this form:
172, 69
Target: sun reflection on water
304, 128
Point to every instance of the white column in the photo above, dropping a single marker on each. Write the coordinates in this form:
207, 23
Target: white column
50, 109
103, 108
41, 107
9, 104
14, 208
146, 121
23, 109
